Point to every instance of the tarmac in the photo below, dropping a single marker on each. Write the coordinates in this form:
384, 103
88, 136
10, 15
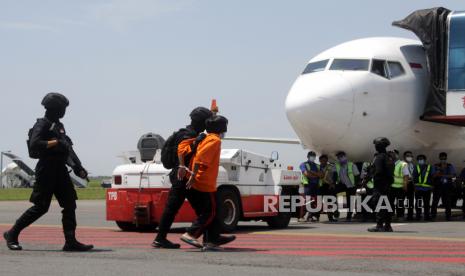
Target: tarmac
415, 248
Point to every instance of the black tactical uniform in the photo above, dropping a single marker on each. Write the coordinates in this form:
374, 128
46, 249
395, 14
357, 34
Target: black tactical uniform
52, 177
382, 178
178, 192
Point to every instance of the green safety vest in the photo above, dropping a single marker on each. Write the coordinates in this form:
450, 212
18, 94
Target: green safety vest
370, 184
398, 174
305, 179
350, 171
423, 182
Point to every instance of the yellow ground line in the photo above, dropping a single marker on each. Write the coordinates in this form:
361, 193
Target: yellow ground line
394, 236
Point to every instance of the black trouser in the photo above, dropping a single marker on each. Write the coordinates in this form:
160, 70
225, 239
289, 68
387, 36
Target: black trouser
327, 190
463, 200
176, 198
396, 198
312, 191
206, 223
365, 213
424, 197
52, 178
442, 191
379, 199
349, 193
410, 195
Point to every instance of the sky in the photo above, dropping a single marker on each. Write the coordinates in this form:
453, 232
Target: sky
130, 67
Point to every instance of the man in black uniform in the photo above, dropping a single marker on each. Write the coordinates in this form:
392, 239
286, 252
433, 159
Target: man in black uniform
383, 178
177, 193
49, 143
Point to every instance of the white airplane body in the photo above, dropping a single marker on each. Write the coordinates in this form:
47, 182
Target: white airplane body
345, 99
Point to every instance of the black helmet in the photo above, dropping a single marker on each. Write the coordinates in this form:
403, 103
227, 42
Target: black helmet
55, 101
216, 124
382, 141
200, 114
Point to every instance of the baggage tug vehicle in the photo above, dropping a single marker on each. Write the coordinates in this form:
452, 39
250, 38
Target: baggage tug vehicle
246, 182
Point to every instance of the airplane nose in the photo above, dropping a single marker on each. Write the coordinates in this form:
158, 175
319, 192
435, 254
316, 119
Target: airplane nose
320, 106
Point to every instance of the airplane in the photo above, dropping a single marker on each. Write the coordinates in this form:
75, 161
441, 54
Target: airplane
18, 174
374, 87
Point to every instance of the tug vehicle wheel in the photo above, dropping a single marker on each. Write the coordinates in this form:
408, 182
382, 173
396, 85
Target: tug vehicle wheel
280, 221
229, 209
126, 226
283, 218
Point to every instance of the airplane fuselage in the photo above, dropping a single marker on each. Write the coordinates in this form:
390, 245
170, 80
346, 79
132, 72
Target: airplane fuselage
367, 88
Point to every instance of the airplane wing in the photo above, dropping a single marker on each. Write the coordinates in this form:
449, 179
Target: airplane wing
265, 140
24, 167
17, 160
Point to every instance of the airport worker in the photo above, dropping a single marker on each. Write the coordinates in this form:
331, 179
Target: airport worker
462, 191
367, 183
443, 186
410, 194
346, 173
202, 187
399, 185
383, 177
311, 175
423, 180
327, 186
49, 143
177, 194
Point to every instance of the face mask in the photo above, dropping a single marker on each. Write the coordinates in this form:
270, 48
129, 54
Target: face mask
443, 161
421, 162
222, 135
409, 159
311, 159
343, 160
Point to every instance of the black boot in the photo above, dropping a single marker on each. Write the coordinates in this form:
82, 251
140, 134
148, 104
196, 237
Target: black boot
222, 240
72, 244
165, 243
377, 228
12, 241
388, 228
215, 244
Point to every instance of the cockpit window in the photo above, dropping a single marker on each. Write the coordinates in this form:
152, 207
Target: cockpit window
379, 68
387, 69
395, 69
350, 64
316, 66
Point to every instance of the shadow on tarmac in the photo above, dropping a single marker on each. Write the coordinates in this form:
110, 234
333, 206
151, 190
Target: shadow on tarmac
97, 250
227, 250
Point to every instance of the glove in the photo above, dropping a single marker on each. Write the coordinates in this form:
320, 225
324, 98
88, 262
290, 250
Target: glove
80, 172
62, 146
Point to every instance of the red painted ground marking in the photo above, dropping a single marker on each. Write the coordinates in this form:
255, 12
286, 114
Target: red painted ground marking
399, 249
359, 252
341, 247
